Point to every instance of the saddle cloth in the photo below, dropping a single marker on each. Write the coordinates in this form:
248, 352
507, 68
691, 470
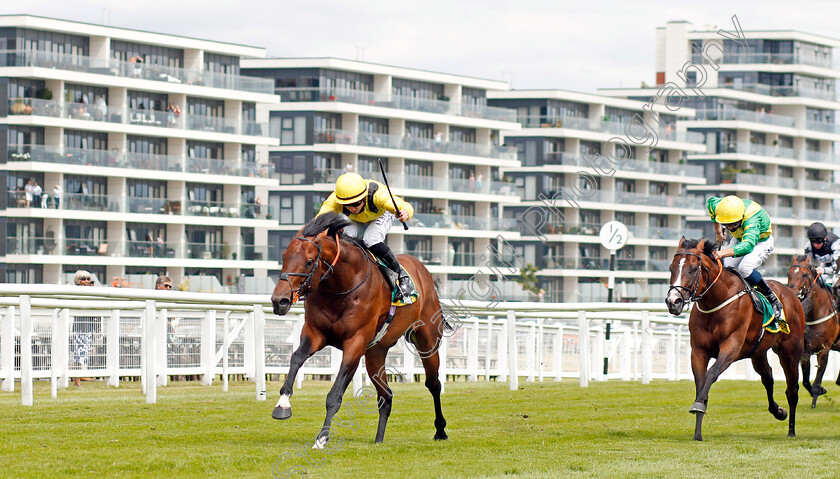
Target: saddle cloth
762, 306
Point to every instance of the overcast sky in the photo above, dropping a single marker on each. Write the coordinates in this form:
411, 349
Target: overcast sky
580, 45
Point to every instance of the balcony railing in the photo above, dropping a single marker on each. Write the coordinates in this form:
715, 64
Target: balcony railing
129, 116
764, 180
777, 90
728, 114
627, 165
772, 58
818, 185
143, 161
346, 137
362, 97
823, 126
774, 151
111, 67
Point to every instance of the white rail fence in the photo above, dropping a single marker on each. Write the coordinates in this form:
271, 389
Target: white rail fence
152, 335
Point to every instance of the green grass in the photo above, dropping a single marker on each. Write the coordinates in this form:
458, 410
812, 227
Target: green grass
613, 429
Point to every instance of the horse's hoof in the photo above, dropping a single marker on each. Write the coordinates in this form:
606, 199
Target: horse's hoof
822, 391
698, 437
281, 413
441, 436
781, 414
697, 407
791, 434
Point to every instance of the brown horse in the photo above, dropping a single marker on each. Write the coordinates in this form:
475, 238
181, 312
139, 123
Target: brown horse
822, 324
347, 302
724, 325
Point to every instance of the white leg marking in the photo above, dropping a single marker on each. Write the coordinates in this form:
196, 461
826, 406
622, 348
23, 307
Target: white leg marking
320, 443
284, 402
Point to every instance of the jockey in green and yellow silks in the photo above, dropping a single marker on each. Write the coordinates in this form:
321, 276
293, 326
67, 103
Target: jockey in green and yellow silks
751, 244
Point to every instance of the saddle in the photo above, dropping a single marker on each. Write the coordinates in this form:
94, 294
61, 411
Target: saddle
392, 279
761, 304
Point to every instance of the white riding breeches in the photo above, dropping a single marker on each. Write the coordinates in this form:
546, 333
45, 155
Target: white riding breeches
749, 262
374, 232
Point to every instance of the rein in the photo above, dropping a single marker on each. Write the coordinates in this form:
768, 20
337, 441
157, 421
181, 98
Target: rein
296, 293
803, 293
692, 293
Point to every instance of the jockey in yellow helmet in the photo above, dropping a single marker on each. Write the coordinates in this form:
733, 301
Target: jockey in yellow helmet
751, 244
368, 205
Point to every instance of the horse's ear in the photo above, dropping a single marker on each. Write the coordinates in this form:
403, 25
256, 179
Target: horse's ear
701, 244
682, 243
321, 235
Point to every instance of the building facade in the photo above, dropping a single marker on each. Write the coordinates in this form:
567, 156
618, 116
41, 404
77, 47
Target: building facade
129, 153
435, 135
766, 105
589, 159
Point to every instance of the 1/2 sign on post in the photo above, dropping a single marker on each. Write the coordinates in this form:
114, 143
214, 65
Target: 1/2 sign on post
614, 235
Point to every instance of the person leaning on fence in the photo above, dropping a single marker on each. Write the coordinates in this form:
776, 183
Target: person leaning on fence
83, 329
751, 244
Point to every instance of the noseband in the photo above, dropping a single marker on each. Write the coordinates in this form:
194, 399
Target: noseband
692, 292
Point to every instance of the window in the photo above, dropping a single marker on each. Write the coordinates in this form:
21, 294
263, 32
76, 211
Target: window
290, 128
141, 100
462, 135
462, 252
292, 209
225, 64
204, 242
199, 192
292, 169
86, 140
419, 246
151, 54
24, 273
369, 166
147, 145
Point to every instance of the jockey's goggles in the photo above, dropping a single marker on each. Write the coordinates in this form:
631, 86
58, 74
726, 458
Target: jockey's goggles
733, 226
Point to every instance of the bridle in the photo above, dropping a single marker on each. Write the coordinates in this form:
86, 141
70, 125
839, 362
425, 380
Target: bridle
802, 291
296, 294
692, 292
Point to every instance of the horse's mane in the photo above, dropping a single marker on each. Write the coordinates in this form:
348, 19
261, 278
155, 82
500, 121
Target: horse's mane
802, 257
708, 246
333, 223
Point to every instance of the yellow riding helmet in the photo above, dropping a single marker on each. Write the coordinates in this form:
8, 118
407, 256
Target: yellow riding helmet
730, 210
350, 188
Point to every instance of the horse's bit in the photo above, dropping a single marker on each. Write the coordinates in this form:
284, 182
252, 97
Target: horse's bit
802, 292
692, 293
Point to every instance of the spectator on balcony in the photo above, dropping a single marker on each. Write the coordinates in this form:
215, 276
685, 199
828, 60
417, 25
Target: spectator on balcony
83, 329
438, 141
27, 193
36, 194
137, 71
57, 195
257, 206
479, 182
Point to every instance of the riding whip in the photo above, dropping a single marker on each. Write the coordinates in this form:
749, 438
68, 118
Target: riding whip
396, 208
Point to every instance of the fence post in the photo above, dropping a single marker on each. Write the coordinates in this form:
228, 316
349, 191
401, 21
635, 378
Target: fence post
626, 353
54, 347
297, 327
670, 352
647, 349
25, 350
64, 350
513, 352
112, 349
598, 354
408, 362
259, 351
558, 353
162, 338
583, 347
530, 356
502, 354
7, 349
488, 350
208, 347
249, 346
540, 332
472, 352
150, 336
442, 369
225, 351
678, 354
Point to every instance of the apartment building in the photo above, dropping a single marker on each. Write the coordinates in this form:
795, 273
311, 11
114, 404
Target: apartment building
766, 105
589, 159
144, 149
435, 135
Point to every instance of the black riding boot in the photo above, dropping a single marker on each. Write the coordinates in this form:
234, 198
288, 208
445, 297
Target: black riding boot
765, 290
405, 285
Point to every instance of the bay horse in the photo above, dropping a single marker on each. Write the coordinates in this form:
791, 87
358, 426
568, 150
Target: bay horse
347, 302
724, 325
822, 324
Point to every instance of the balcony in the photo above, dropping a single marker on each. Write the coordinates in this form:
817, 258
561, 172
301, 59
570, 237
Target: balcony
770, 58
362, 97
774, 151
823, 126
826, 186
143, 71
142, 161
764, 180
777, 90
346, 137
132, 116
674, 169
731, 114
460, 222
